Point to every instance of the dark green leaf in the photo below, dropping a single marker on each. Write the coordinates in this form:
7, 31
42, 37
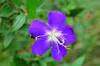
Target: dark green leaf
6, 11
75, 12
20, 62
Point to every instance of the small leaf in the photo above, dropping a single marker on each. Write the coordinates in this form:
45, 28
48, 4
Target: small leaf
75, 12
32, 5
79, 61
19, 22
7, 39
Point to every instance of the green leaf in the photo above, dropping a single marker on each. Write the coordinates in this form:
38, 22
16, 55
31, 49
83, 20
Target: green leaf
20, 62
6, 11
7, 39
43, 63
7, 62
17, 2
79, 61
32, 5
25, 56
19, 22
48, 59
2, 1
75, 12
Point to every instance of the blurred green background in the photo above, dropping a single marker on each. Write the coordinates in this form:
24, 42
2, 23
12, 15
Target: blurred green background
15, 42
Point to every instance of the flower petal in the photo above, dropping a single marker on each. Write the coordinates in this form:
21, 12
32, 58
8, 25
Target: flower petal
40, 46
58, 52
37, 28
56, 19
68, 34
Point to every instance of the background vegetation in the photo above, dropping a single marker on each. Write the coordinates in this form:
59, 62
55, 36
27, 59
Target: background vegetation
15, 42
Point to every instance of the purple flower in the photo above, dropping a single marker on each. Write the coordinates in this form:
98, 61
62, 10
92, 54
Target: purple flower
55, 34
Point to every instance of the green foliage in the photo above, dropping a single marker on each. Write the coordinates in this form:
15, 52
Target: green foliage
18, 22
1, 1
32, 5
79, 61
7, 39
5, 11
15, 42
17, 2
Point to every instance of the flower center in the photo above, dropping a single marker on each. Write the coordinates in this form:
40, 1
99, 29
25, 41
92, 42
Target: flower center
52, 35
55, 36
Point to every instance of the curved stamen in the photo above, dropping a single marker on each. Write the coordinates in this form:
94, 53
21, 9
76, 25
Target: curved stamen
40, 36
61, 43
58, 48
58, 42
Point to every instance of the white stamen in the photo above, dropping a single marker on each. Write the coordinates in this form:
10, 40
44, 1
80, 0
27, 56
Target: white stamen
40, 36
53, 36
58, 48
